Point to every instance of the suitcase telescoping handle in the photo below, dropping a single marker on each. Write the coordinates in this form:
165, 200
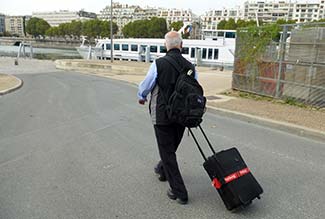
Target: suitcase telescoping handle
198, 145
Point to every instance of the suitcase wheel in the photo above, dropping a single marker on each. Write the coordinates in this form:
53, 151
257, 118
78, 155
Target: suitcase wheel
246, 204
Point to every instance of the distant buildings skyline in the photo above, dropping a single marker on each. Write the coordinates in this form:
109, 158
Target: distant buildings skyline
55, 18
267, 11
124, 14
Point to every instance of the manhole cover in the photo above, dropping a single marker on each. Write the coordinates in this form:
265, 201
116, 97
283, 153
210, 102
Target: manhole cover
213, 98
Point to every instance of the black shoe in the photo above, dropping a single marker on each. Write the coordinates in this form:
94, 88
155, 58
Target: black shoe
161, 176
172, 196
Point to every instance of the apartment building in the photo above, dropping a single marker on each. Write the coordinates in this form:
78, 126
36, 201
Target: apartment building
306, 12
15, 25
2, 23
322, 9
270, 11
55, 18
173, 15
144, 13
210, 19
124, 13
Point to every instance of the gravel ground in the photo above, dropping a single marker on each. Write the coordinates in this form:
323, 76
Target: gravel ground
310, 118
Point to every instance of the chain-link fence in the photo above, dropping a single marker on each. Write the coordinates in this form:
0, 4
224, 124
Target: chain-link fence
286, 63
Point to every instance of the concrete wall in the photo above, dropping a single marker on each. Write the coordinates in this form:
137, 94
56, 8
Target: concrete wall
40, 43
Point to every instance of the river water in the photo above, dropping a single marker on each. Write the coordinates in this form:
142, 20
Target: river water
41, 53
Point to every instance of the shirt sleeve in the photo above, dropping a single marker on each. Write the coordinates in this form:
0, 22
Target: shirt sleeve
196, 75
148, 83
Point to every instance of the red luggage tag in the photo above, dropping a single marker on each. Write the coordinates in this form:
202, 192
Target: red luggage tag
217, 184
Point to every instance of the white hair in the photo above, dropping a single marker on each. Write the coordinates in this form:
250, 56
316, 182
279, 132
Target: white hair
173, 39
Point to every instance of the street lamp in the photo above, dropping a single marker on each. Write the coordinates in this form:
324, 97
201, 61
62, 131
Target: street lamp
112, 47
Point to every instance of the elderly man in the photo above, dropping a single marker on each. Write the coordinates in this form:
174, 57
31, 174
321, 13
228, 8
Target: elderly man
160, 82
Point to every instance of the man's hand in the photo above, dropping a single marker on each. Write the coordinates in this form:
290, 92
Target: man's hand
142, 101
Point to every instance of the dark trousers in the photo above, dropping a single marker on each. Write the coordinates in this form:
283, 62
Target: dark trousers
168, 138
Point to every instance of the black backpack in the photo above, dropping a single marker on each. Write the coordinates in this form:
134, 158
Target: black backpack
186, 105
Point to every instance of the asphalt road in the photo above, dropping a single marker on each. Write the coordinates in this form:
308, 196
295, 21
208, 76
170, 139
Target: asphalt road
78, 146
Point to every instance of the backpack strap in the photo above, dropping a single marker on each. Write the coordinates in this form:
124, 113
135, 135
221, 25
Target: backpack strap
171, 61
176, 66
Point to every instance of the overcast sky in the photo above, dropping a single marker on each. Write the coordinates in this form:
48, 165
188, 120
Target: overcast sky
26, 7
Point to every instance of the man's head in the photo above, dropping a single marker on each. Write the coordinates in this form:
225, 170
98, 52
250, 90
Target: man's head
173, 40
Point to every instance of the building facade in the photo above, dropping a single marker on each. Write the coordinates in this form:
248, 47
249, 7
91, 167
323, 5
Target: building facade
266, 11
304, 12
322, 9
124, 13
2, 24
55, 18
269, 11
15, 25
174, 15
211, 18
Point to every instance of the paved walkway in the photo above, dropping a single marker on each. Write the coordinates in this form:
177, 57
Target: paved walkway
214, 82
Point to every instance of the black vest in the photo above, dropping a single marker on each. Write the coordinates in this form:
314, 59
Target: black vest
165, 85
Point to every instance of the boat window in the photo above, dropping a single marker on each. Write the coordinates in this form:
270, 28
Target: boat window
153, 49
116, 46
230, 35
185, 50
125, 47
134, 48
144, 48
216, 54
221, 34
210, 54
192, 52
108, 46
163, 49
204, 53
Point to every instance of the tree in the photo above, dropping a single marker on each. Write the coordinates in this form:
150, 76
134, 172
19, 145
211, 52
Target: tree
176, 25
95, 28
157, 27
241, 23
136, 29
37, 27
251, 23
283, 21
106, 28
231, 24
52, 31
75, 28
221, 25
64, 29
91, 28
153, 28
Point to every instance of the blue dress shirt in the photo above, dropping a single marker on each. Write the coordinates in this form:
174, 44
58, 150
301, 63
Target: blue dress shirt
149, 82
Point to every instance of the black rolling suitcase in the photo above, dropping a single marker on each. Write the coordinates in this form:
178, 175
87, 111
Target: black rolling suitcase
230, 176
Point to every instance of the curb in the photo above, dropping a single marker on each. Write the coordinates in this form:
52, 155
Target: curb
3, 92
282, 126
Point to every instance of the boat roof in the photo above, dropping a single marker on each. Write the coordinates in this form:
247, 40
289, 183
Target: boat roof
150, 41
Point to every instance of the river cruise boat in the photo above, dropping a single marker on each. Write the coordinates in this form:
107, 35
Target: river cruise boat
218, 51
